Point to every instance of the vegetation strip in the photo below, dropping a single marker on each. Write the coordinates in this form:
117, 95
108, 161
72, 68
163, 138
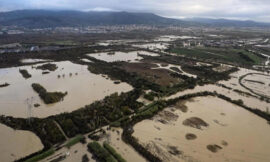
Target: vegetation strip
74, 141
111, 150
101, 154
41, 156
25, 73
80, 121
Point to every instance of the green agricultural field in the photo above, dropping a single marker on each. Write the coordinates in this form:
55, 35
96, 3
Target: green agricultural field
229, 55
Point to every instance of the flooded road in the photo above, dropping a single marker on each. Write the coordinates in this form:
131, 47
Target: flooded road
169, 66
259, 83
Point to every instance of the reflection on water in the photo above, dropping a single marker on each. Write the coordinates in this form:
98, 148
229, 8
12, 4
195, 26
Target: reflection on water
153, 46
82, 86
28, 61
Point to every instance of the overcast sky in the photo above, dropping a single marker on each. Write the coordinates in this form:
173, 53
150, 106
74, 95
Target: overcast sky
258, 10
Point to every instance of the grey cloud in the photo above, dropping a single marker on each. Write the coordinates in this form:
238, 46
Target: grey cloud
242, 9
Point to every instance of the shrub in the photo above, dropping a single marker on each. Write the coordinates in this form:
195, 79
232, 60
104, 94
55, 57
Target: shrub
4, 85
48, 97
51, 67
25, 73
101, 154
111, 150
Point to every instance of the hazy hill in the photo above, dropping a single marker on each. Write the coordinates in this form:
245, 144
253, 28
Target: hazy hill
48, 18
227, 22
44, 18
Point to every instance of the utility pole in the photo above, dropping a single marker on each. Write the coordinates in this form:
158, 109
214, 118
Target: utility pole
29, 103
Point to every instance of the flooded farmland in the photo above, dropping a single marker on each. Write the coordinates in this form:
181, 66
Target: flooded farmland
121, 56
17, 143
113, 137
258, 83
82, 87
230, 133
249, 101
234, 81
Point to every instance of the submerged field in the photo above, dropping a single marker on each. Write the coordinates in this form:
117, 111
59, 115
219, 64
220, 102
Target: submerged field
148, 99
82, 88
16, 144
168, 137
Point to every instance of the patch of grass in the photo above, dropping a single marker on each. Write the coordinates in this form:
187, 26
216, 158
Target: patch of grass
113, 152
25, 73
102, 154
74, 141
41, 156
48, 97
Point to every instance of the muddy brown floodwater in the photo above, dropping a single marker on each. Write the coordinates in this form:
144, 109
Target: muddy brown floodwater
232, 134
233, 83
82, 86
248, 101
132, 56
16, 144
259, 83
113, 137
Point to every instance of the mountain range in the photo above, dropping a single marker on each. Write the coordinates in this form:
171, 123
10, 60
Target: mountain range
49, 18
